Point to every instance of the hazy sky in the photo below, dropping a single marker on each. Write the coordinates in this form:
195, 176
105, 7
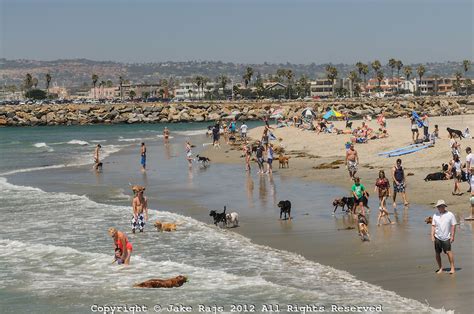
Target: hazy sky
297, 31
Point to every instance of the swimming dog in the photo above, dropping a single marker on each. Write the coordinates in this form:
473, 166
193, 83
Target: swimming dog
436, 176
204, 160
283, 161
219, 217
165, 226
232, 218
162, 283
285, 208
453, 132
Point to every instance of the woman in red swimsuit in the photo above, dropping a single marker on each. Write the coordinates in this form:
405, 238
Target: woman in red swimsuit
382, 186
121, 242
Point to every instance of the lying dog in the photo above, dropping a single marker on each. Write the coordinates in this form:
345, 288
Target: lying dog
429, 220
453, 132
343, 202
285, 208
204, 160
219, 217
283, 161
437, 176
232, 218
165, 226
162, 283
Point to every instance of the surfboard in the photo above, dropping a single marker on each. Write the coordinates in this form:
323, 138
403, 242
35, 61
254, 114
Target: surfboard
207, 144
408, 151
397, 149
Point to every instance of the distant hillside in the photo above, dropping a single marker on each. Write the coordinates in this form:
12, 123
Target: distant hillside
78, 72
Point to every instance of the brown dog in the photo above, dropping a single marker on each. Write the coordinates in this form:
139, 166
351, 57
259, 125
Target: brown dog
284, 161
165, 226
162, 283
429, 220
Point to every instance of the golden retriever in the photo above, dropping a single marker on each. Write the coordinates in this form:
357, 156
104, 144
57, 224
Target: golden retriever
162, 283
165, 226
283, 161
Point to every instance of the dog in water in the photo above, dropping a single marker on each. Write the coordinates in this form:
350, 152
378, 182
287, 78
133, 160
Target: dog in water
165, 226
283, 161
363, 227
453, 133
232, 219
437, 176
285, 208
203, 160
162, 283
219, 217
343, 202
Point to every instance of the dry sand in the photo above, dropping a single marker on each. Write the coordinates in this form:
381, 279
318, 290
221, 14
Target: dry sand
398, 258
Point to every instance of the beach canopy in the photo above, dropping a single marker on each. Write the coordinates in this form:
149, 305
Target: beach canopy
308, 112
332, 113
277, 114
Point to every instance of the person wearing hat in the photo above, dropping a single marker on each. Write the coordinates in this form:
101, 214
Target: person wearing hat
443, 229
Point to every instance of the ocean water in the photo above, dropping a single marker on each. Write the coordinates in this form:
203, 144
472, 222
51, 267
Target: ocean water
56, 255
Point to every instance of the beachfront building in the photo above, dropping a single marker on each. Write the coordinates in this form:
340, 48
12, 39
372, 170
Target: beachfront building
387, 85
438, 85
323, 87
192, 91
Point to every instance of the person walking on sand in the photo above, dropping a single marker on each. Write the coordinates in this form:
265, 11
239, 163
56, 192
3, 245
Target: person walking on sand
143, 156
140, 209
382, 186
97, 156
189, 154
414, 130
469, 167
243, 131
399, 183
121, 242
426, 124
358, 192
443, 229
352, 160
455, 168
455, 146
269, 159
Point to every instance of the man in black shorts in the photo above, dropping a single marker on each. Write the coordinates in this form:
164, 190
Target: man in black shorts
443, 229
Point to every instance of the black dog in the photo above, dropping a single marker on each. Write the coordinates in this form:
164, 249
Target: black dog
219, 217
437, 176
285, 208
343, 202
453, 132
204, 160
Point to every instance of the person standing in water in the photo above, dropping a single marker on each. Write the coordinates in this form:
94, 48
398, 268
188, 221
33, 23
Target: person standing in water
140, 209
399, 183
352, 160
189, 154
143, 156
166, 134
97, 156
382, 186
121, 242
443, 229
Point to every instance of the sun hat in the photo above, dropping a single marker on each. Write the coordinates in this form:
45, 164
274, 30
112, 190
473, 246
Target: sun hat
441, 203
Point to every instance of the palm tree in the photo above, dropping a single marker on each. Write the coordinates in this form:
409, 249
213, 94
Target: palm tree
466, 65
102, 86
121, 89
223, 81
331, 73
198, 80
35, 82
376, 67
407, 70
352, 77
289, 76
28, 81
379, 76
247, 76
48, 80
132, 94
365, 71
458, 76
399, 66
392, 63
360, 67
420, 70
95, 78
281, 73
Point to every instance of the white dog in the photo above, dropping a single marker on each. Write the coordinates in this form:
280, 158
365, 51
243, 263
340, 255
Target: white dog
232, 218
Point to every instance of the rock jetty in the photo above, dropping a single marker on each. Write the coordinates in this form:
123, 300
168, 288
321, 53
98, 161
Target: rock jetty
78, 114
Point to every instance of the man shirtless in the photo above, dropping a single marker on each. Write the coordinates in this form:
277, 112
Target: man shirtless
143, 156
140, 210
352, 160
166, 134
97, 157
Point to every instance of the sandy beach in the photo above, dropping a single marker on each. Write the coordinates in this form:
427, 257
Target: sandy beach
389, 261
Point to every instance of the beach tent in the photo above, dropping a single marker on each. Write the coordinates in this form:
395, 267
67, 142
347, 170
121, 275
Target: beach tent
332, 113
308, 112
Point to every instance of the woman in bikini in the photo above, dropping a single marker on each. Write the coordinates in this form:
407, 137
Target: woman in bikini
382, 186
121, 242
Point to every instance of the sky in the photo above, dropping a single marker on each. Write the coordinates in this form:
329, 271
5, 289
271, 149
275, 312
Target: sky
241, 31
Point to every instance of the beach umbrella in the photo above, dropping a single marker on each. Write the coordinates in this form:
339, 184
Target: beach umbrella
276, 116
308, 112
332, 113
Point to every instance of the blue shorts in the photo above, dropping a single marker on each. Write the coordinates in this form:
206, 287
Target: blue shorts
143, 160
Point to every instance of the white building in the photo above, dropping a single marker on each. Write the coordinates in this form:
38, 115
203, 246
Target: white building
192, 91
323, 87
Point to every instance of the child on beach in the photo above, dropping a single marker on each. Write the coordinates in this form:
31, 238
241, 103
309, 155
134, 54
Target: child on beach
118, 256
359, 192
382, 186
269, 159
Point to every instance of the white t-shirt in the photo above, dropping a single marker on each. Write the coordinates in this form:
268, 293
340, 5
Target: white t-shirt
470, 159
244, 128
443, 224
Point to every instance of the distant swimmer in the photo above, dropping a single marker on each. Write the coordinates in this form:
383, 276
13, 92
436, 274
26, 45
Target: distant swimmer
143, 156
121, 242
166, 134
140, 209
97, 163
189, 154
